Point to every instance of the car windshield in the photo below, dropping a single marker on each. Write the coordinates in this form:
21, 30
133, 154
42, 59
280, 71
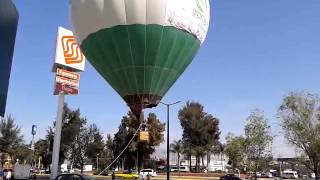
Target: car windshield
147, 170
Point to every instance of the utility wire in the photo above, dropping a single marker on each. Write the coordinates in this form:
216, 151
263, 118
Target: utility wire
123, 149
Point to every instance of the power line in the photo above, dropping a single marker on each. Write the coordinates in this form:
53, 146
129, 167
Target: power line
123, 149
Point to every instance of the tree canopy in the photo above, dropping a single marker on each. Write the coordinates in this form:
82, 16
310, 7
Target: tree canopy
200, 129
235, 150
258, 138
11, 135
138, 149
299, 115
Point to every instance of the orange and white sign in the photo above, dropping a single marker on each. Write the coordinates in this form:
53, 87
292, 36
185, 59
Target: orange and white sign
68, 53
68, 74
66, 82
61, 88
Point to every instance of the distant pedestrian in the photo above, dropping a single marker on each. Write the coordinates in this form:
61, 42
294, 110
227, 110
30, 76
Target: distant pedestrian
1, 174
34, 176
113, 176
9, 174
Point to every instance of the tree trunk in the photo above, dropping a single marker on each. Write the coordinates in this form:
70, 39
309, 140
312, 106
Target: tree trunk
179, 163
81, 164
196, 168
202, 159
140, 162
190, 162
208, 159
316, 170
256, 169
198, 162
222, 162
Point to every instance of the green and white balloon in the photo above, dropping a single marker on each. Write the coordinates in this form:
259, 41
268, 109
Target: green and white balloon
140, 47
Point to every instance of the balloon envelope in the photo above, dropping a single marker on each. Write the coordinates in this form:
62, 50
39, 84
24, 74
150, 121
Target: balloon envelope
140, 47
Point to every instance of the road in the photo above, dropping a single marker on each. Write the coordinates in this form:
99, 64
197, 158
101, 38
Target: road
161, 177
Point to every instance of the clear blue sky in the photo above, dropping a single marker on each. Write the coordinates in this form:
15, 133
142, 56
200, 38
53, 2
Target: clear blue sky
255, 53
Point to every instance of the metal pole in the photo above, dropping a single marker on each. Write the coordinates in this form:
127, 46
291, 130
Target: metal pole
168, 144
97, 163
33, 149
138, 169
141, 120
57, 138
39, 163
168, 137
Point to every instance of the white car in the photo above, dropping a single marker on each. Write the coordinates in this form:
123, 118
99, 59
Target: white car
289, 174
145, 172
313, 175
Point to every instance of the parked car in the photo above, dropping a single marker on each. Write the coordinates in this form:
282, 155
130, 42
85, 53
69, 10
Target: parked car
42, 171
127, 175
74, 177
289, 174
230, 177
275, 173
145, 172
47, 171
254, 175
181, 169
266, 175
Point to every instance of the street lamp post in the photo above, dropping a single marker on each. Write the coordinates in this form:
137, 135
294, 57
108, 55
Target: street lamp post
97, 163
168, 144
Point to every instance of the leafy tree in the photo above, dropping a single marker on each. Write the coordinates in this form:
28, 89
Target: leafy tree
47, 157
96, 143
109, 146
137, 149
72, 123
234, 149
121, 140
300, 120
177, 148
106, 155
79, 148
217, 148
41, 148
23, 153
200, 129
258, 138
188, 151
11, 138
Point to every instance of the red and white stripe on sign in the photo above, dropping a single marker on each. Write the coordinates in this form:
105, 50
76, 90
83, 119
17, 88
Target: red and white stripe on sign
71, 50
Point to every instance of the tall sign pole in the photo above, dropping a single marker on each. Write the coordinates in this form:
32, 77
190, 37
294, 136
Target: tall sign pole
33, 133
68, 60
57, 138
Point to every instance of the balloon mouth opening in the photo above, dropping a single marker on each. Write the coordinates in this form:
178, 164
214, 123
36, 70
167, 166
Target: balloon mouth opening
139, 102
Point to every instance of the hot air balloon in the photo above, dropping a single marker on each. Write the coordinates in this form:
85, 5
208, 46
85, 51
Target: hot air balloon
140, 47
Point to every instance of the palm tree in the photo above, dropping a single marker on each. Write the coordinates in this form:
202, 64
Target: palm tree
177, 148
218, 148
188, 151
